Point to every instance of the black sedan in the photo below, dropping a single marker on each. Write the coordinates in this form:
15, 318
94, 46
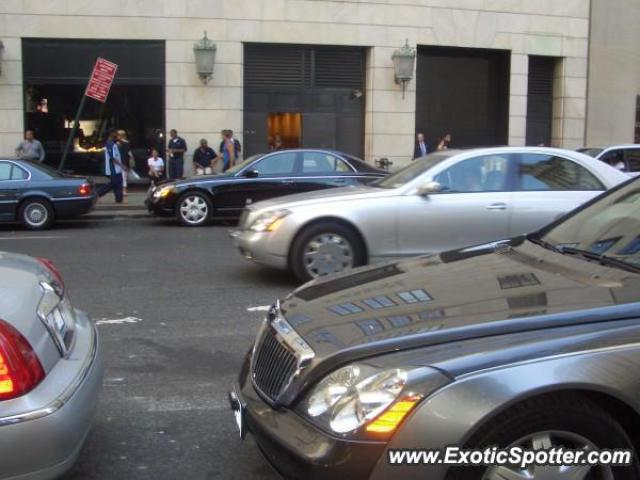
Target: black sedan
526, 345
36, 195
195, 201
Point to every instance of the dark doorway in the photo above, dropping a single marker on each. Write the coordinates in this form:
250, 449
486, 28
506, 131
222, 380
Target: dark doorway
318, 90
465, 92
540, 100
55, 75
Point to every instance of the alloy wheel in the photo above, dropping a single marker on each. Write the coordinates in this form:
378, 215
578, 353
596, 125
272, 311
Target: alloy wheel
194, 209
327, 253
36, 214
545, 441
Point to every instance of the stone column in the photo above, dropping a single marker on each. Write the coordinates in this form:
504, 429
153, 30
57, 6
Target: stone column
518, 87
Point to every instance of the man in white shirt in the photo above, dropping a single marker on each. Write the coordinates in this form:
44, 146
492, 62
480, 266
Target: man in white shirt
156, 166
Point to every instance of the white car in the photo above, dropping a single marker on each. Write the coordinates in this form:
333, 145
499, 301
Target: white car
622, 157
446, 200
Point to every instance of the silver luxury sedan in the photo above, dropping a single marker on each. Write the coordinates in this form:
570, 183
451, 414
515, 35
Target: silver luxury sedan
50, 371
443, 201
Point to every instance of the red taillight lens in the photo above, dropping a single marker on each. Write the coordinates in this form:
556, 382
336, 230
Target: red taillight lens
20, 369
48, 264
85, 189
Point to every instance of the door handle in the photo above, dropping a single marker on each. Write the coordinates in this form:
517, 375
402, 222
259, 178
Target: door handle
497, 206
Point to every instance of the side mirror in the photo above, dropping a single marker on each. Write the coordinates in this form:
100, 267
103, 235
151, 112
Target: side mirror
251, 173
429, 188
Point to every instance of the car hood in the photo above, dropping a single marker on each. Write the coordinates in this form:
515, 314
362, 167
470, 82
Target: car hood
322, 196
485, 291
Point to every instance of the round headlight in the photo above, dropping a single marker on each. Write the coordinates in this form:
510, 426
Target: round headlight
352, 396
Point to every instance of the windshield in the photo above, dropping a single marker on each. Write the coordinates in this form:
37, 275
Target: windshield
236, 168
411, 171
610, 228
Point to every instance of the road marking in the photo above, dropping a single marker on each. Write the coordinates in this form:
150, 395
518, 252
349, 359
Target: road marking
33, 237
117, 321
259, 308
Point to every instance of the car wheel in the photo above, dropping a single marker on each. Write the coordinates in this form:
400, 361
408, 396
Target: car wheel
36, 214
193, 209
546, 422
325, 248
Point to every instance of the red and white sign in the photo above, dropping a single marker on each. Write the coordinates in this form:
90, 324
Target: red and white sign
101, 79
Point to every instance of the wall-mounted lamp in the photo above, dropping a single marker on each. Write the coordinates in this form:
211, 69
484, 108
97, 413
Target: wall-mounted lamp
205, 53
1, 55
403, 61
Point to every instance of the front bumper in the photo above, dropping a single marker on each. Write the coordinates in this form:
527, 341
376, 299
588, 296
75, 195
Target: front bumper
255, 246
160, 206
44, 441
297, 449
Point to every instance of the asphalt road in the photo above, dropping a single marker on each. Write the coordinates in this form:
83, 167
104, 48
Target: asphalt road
183, 294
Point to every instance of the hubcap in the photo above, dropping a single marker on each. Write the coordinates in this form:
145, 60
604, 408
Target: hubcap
194, 209
327, 253
36, 214
546, 441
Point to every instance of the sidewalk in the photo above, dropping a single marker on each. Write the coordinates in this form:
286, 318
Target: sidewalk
132, 206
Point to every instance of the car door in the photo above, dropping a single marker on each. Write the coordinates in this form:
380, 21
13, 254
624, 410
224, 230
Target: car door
632, 160
319, 170
271, 176
12, 180
473, 206
548, 186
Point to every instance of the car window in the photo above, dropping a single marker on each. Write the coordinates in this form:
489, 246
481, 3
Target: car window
487, 173
278, 164
547, 172
632, 156
319, 162
5, 170
18, 173
615, 158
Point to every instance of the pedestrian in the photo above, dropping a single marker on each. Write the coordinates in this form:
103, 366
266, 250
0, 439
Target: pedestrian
229, 149
30, 148
113, 167
278, 144
444, 142
204, 158
421, 148
128, 161
156, 166
177, 148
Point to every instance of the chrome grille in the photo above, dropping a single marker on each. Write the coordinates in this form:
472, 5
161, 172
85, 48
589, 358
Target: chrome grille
273, 365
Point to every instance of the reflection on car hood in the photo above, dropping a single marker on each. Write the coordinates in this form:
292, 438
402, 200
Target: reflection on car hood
404, 304
323, 196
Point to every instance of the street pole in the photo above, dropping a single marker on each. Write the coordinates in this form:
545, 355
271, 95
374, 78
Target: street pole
73, 131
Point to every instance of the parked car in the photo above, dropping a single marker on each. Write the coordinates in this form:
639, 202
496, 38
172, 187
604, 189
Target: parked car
625, 156
50, 371
530, 342
197, 200
37, 195
446, 200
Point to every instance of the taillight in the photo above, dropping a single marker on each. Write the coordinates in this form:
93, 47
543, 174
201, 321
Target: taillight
20, 369
85, 189
57, 276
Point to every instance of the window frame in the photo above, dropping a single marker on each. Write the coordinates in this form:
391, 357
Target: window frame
349, 168
294, 170
626, 158
509, 180
518, 177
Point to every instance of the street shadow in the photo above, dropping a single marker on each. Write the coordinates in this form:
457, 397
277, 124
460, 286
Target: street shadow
59, 226
268, 277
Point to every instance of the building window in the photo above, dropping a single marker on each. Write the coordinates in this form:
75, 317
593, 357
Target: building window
415, 296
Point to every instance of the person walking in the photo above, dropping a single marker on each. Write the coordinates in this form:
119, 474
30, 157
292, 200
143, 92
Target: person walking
30, 148
177, 148
204, 158
112, 168
444, 142
127, 158
156, 166
421, 148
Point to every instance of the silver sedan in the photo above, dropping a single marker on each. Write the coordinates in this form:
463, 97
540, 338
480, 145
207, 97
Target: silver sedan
443, 201
50, 371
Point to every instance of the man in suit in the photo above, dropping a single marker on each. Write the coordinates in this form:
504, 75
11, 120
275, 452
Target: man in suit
421, 148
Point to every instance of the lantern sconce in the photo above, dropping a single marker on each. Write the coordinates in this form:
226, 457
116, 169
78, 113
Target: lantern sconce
205, 53
1, 55
403, 62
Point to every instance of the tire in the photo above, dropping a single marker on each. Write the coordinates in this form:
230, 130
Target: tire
341, 243
553, 420
194, 209
36, 214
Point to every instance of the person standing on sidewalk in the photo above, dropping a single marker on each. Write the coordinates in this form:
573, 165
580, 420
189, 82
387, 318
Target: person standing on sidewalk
229, 149
176, 149
112, 167
30, 148
127, 158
